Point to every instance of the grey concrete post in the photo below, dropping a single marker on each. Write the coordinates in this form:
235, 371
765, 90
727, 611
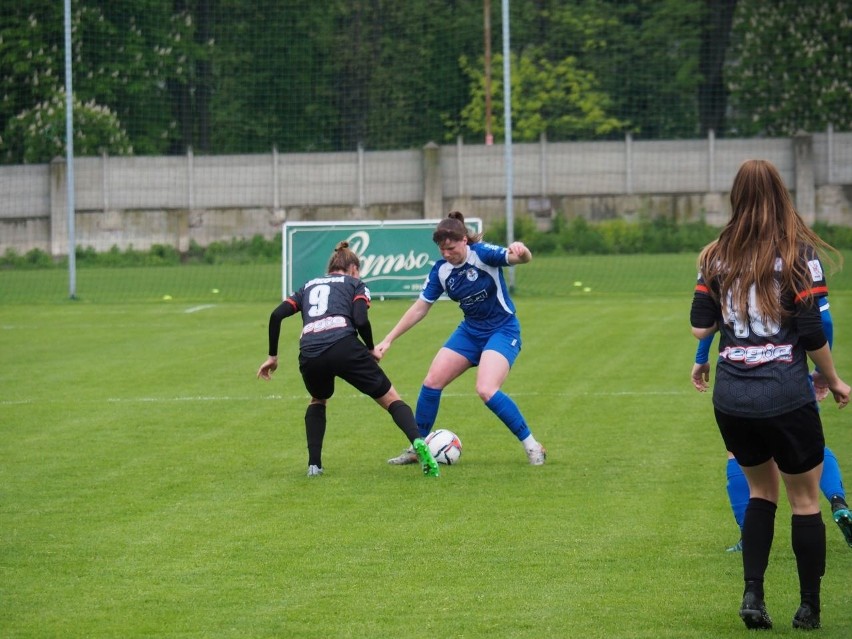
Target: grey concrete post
803, 153
58, 207
433, 193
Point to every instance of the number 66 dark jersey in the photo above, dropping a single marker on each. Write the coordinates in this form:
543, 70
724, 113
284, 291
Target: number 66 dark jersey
762, 369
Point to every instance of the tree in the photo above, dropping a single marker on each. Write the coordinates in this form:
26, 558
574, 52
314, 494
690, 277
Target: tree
715, 40
39, 134
559, 100
790, 68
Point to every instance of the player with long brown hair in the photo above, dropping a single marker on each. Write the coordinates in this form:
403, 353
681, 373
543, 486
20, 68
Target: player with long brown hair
757, 285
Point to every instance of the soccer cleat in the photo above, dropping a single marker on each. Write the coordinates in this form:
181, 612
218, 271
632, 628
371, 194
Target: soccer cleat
843, 518
537, 455
753, 613
737, 547
314, 471
806, 618
408, 456
424, 456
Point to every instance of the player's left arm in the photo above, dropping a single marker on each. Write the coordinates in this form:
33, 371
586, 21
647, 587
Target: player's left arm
518, 253
821, 389
362, 322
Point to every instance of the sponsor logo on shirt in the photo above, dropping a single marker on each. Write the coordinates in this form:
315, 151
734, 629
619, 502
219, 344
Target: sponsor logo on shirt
754, 355
325, 324
816, 270
473, 299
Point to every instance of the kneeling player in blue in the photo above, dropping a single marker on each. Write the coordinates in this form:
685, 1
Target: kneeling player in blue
334, 313
489, 337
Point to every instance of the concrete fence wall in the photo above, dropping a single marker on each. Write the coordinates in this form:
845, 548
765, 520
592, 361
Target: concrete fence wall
141, 201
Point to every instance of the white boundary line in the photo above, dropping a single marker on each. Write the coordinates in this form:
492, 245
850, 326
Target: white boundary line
254, 398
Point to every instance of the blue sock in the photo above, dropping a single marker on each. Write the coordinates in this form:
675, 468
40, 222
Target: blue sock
503, 406
426, 412
831, 482
738, 492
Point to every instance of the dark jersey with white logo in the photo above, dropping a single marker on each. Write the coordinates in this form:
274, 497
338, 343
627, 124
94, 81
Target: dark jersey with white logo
762, 370
327, 305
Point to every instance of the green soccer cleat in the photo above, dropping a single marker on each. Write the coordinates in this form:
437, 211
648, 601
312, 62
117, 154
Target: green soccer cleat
424, 455
843, 518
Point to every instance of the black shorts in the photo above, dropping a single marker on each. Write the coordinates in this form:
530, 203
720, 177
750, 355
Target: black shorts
795, 439
349, 360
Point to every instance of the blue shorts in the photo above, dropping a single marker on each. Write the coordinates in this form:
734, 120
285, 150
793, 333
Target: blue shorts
506, 340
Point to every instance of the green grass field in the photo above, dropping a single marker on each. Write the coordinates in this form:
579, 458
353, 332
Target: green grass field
150, 486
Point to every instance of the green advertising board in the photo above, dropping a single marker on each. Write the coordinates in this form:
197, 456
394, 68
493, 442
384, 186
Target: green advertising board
396, 256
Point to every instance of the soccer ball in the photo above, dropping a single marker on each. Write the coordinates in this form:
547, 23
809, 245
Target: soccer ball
445, 445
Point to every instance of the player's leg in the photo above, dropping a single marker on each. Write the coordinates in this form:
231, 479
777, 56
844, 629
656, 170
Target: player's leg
319, 382
495, 363
800, 450
758, 533
738, 496
744, 438
831, 485
403, 417
808, 541
315, 433
446, 366
449, 363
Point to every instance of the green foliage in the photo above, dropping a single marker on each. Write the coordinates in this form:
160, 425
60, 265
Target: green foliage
790, 69
609, 237
35, 258
221, 78
39, 134
255, 250
840, 237
559, 100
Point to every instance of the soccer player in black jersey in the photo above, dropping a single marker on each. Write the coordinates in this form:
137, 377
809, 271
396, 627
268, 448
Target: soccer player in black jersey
758, 284
334, 313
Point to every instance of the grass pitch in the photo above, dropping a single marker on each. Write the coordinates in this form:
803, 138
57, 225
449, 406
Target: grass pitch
151, 486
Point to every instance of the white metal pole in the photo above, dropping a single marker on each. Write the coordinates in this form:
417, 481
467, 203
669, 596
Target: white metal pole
69, 157
507, 119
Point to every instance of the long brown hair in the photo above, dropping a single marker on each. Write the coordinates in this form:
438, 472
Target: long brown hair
453, 228
342, 258
764, 226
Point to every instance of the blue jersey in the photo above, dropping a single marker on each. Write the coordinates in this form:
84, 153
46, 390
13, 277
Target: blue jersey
477, 285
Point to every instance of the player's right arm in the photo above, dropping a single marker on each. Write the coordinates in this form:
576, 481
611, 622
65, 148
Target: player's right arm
287, 308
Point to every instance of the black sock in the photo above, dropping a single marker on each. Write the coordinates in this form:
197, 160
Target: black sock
315, 432
808, 539
404, 418
758, 532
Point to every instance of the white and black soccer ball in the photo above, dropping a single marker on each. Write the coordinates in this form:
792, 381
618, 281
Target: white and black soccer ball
445, 445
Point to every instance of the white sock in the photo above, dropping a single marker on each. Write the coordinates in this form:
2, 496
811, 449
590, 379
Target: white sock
530, 443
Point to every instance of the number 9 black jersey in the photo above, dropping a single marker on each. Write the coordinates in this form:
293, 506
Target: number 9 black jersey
327, 307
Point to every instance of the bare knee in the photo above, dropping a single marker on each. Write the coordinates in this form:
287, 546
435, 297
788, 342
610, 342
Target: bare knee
485, 392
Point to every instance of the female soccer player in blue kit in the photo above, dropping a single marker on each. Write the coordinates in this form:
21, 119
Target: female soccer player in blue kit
489, 337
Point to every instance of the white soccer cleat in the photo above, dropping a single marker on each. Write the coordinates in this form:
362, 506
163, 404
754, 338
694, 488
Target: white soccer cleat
314, 471
537, 455
408, 456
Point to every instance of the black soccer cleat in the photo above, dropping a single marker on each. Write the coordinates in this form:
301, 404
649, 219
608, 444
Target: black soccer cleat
753, 613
